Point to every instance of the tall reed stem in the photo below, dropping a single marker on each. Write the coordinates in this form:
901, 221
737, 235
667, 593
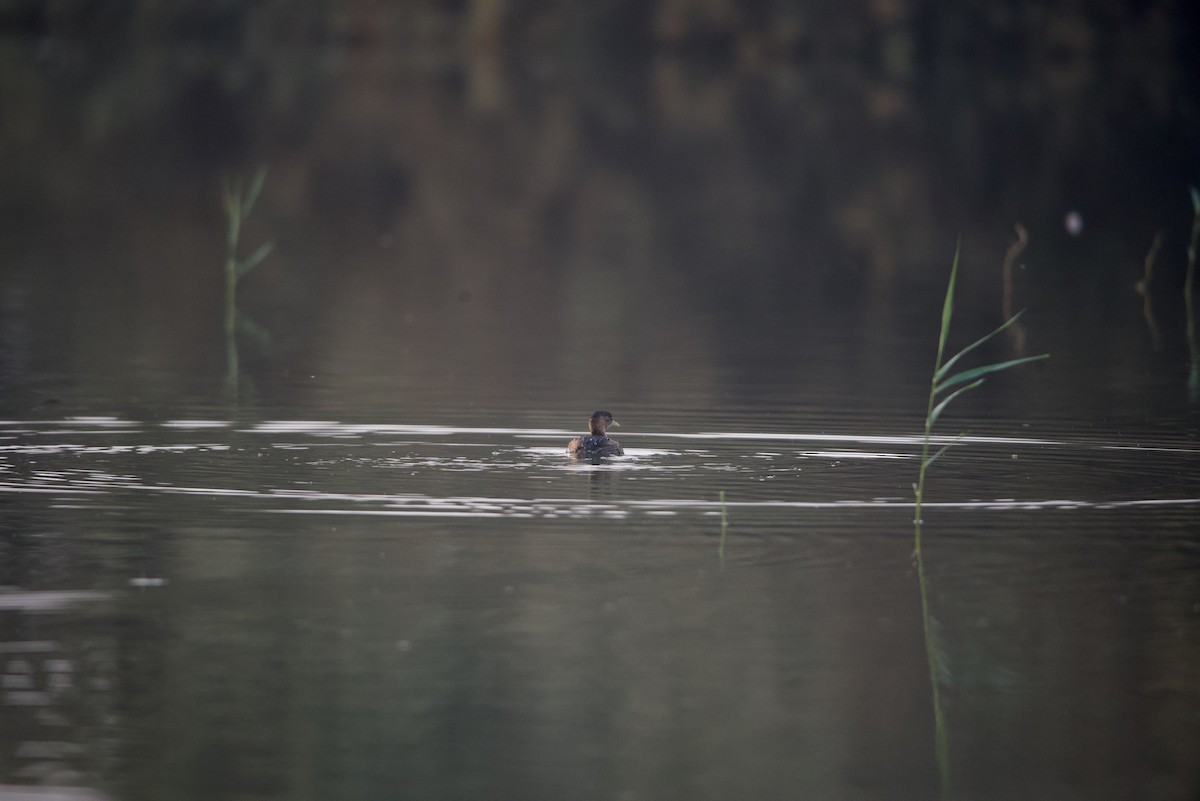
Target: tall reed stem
941, 381
238, 205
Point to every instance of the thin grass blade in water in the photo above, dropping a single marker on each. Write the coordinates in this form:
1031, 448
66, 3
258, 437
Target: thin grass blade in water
946, 367
975, 372
943, 449
252, 330
250, 262
940, 382
937, 410
948, 305
256, 185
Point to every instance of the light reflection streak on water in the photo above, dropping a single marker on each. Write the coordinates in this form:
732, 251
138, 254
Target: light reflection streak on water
44, 449
98, 422
502, 507
330, 428
334, 429
724, 456
432, 506
339, 430
195, 425
49, 601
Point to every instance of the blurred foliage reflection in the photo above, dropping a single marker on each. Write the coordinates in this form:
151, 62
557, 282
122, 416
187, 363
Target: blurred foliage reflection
766, 172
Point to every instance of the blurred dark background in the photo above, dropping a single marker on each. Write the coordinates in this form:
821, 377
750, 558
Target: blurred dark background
492, 193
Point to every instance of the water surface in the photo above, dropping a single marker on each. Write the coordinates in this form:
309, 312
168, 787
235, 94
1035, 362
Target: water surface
325, 608
355, 561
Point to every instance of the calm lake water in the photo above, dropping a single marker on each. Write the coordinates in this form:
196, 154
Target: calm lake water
356, 562
281, 608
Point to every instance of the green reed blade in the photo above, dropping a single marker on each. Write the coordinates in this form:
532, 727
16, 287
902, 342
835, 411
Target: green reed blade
975, 372
943, 449
256, 185
948, 305
250, 262
946, 367
937, 410
252, 330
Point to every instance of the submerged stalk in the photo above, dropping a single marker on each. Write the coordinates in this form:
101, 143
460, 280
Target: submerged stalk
941, 744
721, 548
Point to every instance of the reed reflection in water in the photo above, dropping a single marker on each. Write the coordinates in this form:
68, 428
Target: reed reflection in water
490, 614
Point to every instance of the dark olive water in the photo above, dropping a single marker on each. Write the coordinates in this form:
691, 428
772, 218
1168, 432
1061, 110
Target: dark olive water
323, 609
357, 563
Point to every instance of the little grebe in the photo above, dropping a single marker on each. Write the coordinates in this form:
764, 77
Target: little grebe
597, 443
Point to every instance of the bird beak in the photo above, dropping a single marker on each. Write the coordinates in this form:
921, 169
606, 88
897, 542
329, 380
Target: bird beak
615, 423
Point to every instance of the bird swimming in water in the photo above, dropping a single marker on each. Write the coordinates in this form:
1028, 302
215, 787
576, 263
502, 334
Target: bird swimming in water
596, 442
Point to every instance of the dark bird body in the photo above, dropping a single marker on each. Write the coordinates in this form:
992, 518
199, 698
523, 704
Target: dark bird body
596, 443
